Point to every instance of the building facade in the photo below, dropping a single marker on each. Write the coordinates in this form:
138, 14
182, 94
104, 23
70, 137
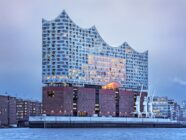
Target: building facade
83, 75
160, 107
183, 111
77, 56
15, 111
174, 109
87, 101
7, 111
165, 108
26, 108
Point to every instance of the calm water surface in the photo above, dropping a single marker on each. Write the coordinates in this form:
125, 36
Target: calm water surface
93, 134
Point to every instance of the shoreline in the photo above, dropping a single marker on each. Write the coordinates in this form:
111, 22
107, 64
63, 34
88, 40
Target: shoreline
102, 122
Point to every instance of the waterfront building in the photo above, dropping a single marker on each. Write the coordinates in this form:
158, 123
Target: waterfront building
83, 75
78, 56
7, 111
26, 108
15, 111
174, 110
163, 107
183, 111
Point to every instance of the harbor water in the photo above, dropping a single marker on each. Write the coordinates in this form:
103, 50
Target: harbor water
93, 134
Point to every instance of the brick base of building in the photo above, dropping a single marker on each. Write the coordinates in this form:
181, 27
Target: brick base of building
81, 101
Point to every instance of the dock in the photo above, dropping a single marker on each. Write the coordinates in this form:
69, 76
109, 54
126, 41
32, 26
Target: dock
101, 122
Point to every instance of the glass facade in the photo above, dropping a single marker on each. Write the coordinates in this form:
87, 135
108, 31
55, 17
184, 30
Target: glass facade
161, 107
71, 54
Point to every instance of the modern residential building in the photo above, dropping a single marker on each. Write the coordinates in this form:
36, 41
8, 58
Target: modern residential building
83, 75
161, 107
26, 108
7, 111
17, 111
165, 108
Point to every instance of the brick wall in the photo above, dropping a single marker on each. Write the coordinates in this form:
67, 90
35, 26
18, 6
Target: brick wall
86, 101
126, 103
59, 102
107, 102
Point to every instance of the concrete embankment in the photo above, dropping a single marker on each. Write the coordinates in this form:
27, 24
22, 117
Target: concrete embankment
101, 122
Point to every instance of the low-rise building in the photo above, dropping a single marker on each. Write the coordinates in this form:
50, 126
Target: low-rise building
26, 108
165, 108
17, 111
160, 107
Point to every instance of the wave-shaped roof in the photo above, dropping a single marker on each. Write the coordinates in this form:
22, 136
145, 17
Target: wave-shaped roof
95, 29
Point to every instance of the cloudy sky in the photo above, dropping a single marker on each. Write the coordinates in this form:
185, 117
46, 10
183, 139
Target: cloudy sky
155, 25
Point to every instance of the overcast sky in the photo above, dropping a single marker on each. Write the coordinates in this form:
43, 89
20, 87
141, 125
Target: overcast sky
158, 26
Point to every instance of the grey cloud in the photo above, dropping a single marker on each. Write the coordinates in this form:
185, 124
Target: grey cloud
179, 81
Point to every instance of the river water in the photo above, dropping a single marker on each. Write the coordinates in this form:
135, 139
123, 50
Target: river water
93, 134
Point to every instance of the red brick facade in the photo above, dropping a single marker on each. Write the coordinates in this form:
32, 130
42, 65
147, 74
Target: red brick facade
107, 102
59, 101
126, 103
86, 101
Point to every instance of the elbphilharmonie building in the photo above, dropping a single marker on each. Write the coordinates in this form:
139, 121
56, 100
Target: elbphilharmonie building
76, 57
